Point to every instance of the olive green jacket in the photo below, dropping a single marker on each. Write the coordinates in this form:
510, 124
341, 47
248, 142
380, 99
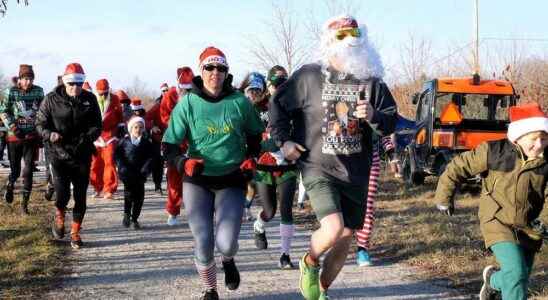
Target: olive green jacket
513, 191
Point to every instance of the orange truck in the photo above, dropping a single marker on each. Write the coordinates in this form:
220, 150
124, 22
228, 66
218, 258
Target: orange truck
454, 115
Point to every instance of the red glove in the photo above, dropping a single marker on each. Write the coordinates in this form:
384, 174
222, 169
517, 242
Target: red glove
248, 167
194, 166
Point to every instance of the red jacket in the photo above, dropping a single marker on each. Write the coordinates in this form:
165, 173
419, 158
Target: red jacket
153, 119
112, 116
169, 100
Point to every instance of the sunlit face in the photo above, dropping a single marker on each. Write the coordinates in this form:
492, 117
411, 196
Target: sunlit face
74, 88
25, 83
213, 76
533, 144
137, 130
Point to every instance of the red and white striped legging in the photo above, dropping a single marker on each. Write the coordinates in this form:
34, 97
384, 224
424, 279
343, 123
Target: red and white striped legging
362, 235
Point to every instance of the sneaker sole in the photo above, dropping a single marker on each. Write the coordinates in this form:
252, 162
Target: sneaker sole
364, 264
55, 235
484, 288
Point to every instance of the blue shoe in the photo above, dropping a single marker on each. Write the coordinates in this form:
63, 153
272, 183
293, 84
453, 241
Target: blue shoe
362, 258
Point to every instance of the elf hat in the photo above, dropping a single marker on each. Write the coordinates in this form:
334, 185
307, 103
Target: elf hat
74, 73
525, 119
136, 104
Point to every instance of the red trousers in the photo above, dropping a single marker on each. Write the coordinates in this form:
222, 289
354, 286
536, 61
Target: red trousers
103, 175
174, 191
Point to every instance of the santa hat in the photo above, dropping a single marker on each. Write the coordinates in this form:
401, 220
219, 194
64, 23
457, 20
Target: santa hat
526, 119
87, 87
133, 120
340, 22
74, 73
102, 86
122, 96
212, 55
184, 77
136, 104
164, 87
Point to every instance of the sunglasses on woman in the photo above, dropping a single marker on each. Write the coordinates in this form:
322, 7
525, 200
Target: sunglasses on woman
220, 68
342, 33
79, 84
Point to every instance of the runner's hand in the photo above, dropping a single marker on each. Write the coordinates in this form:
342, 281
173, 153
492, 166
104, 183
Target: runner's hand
54, 137
364, 110
292, 150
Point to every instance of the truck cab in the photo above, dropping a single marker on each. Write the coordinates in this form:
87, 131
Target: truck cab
454, 115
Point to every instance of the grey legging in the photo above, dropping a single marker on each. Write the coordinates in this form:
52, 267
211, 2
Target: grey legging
201, 205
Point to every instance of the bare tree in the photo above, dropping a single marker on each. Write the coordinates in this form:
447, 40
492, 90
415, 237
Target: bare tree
286, 47
139, 88
4, 5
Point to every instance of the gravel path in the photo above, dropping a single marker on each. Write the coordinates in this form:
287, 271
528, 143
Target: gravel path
157, 263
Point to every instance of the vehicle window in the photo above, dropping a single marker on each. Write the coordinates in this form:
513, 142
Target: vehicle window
475, 106
423, 107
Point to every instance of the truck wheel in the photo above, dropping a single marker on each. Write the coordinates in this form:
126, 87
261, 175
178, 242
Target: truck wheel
410, 175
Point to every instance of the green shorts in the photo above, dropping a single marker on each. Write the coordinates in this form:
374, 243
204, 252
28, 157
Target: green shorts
329, 195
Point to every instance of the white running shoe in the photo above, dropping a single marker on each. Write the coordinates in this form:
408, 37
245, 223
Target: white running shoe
172, 220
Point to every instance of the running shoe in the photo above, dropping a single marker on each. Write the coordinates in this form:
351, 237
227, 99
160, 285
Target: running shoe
487, 292
309, 282
362, 258
172, 220
210, 295
232, 275
285, 262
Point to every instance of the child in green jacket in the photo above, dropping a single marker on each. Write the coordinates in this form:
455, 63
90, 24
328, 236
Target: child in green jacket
512, 209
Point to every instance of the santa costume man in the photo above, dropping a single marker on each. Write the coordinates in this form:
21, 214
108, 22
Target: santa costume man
103, 175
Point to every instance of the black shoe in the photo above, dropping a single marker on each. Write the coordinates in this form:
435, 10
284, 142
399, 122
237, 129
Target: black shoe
126, 221
232, 275
210, 295
487, 292
135, 225
285, 262
48, 195
8, 194
260, 240
25, 203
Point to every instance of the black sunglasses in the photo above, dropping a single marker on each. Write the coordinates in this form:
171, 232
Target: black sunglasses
220, 68
76, 84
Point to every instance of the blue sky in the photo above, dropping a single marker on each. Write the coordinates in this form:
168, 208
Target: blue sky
121, 39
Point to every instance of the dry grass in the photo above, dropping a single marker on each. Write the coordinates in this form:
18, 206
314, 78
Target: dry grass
409, 229
29, 259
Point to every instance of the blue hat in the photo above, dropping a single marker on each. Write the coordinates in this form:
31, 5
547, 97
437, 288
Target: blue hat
256, 81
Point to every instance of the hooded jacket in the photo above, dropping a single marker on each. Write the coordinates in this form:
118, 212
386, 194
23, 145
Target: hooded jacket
76, 119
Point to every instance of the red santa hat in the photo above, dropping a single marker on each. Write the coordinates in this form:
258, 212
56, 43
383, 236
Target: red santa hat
212, 55
133, 120
87, 87
164, 87
136, 104
74, 73
122, 96
184, 77
102, 86
525, 119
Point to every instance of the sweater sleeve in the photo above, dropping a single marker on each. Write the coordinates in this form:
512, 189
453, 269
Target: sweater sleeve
461, 167
286, 103
384, 118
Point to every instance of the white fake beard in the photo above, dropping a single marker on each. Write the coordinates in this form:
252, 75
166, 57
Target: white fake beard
357, 56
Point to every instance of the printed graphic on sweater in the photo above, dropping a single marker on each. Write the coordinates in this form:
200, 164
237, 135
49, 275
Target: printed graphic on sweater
340, 129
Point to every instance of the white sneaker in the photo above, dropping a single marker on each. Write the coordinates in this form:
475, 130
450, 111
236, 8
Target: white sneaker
172, 220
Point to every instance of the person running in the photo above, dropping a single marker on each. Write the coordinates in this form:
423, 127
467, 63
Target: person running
69, 121
324, 116
275, 176
103, 170
18, 110
513, 211
133, 156
155, 131
363, 235
223, 131
174, 178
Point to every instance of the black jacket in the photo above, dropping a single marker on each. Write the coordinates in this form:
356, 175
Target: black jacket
134, 162
76, 119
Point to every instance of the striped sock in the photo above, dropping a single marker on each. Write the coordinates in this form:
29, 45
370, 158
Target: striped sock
208, 275
286, 233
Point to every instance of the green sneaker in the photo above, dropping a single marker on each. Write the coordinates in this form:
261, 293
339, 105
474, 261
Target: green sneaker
309, 282
323, 296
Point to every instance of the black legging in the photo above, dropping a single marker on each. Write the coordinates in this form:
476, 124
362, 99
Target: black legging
157, 165
24, 150
267, 194
65, 173
134, 196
